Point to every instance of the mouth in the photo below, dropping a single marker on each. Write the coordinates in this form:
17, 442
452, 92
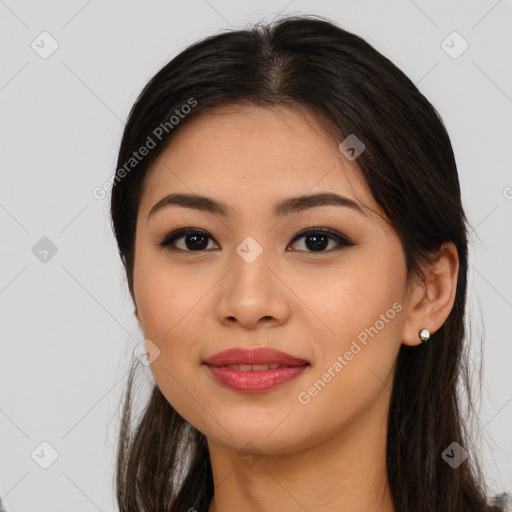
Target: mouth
254, 370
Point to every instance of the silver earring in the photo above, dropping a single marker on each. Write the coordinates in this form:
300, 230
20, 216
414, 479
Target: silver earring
424, 335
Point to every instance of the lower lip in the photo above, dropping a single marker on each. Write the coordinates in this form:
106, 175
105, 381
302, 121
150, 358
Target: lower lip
255, 381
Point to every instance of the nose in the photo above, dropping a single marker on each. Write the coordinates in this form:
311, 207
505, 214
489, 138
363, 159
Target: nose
251, 295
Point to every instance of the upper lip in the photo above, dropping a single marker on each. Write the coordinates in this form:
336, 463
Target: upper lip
259, 355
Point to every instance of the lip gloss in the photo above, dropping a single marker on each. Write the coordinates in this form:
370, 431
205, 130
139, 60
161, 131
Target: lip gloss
255, 381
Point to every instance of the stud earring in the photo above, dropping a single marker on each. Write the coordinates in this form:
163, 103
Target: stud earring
424, 335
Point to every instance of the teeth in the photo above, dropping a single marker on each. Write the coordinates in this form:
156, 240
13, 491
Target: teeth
253, 367
260, 366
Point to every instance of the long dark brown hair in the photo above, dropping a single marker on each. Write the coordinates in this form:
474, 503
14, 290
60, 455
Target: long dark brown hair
409, 167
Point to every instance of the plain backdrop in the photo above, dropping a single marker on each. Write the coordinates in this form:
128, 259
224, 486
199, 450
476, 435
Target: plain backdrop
68, 328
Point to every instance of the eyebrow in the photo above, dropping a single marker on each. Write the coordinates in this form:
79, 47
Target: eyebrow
282, 208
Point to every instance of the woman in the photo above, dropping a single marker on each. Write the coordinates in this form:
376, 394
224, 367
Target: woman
288, 213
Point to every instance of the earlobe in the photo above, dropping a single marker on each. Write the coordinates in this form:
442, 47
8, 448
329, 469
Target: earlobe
432, 300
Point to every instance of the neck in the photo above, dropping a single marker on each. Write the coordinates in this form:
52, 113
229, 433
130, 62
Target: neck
346, 471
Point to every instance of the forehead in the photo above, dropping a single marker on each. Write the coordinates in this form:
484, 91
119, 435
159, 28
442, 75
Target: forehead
248, 153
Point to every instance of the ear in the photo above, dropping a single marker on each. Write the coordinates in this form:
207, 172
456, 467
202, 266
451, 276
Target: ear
430, 301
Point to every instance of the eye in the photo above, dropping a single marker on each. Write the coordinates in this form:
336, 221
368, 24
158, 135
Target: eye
196, 240
317, 239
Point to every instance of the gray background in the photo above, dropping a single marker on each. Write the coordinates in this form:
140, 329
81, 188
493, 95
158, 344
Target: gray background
67, 323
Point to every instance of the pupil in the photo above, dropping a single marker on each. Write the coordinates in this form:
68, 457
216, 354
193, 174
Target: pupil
318, 242
195, 245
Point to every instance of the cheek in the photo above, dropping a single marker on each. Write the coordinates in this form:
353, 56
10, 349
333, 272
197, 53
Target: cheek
170, 311
355, 366
166, 299
361, 307
349, 298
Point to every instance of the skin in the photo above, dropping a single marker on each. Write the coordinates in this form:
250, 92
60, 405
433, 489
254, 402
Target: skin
328, 454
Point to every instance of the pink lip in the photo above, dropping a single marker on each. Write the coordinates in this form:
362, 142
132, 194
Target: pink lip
258, 355
255, 381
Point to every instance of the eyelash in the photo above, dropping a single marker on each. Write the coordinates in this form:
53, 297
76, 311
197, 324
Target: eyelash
169, 239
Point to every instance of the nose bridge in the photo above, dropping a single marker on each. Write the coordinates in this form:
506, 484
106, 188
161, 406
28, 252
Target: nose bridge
250, 291
250, 279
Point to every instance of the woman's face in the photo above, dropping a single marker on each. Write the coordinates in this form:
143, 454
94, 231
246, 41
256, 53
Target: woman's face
250, 281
